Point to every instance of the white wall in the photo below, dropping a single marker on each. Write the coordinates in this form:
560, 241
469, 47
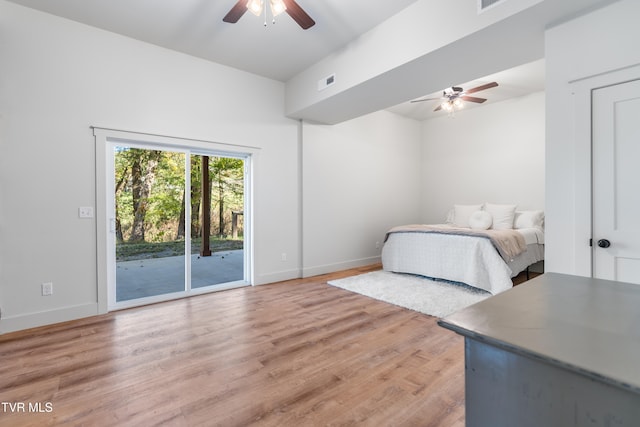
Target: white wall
360, 178
597, 43
490, 154
58, 78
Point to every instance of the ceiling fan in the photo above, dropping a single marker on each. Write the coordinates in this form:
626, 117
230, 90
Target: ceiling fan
452, 97
277, 7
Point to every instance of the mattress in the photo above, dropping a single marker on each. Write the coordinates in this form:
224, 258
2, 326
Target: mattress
457, 258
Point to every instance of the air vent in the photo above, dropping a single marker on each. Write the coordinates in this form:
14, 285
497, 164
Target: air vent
486, 4
326, 82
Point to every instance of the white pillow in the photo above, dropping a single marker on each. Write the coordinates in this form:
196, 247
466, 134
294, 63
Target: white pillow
503, 215
529, 219
461, 214
450, 214
480, 220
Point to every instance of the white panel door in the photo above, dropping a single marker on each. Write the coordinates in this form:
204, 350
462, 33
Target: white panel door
616, 182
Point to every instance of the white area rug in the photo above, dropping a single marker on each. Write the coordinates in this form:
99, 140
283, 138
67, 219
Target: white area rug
414, 292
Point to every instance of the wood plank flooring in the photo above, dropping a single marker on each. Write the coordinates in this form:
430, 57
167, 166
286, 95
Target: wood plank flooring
296, 353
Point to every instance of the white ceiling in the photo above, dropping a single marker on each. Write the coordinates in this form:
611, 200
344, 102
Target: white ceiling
515, 82
278, 51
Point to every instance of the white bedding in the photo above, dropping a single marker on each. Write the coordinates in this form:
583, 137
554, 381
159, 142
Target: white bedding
532, 235
466, 259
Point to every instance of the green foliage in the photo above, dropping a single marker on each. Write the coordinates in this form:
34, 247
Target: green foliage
165, 199
163, 209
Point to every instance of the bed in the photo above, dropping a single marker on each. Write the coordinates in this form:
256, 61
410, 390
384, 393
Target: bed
464, 251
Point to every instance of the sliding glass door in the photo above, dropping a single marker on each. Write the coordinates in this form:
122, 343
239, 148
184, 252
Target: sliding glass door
176, 224
149, 205
217, 220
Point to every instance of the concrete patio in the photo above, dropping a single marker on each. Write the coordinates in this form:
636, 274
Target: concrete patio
156, 276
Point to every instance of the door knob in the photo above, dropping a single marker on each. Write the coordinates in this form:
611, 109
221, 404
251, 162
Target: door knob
604, 243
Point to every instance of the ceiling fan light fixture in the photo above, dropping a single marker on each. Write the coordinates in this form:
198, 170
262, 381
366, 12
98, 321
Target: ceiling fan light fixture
454, 98
277, 7
258, 8
452, 104
255, 7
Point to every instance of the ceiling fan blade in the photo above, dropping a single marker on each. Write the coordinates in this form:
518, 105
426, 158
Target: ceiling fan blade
483, 87
236, 12
299, 15
438, 108
473, 99
424, 99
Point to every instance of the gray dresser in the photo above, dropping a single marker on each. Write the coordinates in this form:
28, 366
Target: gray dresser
558, 350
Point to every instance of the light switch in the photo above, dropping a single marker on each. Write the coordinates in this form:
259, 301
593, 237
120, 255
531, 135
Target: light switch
85, 212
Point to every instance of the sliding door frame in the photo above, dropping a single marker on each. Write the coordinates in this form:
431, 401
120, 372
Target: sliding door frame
105, 140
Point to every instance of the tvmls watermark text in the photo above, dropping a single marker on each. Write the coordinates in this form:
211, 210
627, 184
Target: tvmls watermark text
26, 407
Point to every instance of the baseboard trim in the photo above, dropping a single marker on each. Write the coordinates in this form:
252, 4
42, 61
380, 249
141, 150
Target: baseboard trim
279, 276
43, 318
331, 268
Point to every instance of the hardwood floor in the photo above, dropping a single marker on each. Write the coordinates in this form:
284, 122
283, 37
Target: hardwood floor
296, 353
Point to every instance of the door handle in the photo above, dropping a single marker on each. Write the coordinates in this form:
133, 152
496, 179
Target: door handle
604, 243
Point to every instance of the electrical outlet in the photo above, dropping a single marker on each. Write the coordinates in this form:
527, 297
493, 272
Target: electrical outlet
283, 257
377, 245
47, 289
